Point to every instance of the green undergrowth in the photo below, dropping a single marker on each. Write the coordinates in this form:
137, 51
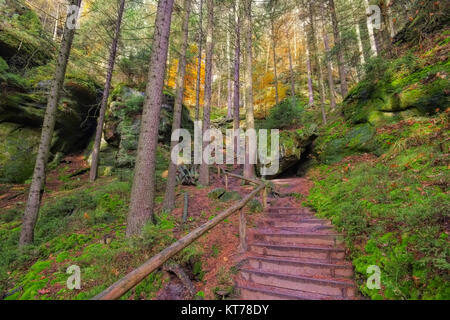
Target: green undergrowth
85, 227
393, 209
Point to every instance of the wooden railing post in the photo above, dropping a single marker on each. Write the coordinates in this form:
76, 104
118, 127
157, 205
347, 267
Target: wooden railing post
242, 231
226, 182
264, 198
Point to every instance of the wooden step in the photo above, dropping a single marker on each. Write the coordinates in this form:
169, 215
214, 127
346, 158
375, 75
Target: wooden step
253, 291
296, 266
289, 215
281, 237
296, 223
297, 251
336, 288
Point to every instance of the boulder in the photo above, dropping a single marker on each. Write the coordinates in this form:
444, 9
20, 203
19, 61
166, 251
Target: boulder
18, 147
123, 121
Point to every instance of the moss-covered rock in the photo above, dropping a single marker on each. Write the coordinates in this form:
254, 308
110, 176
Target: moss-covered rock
230, 196
21, 43
123, 121
216, 193
18, 147
293, 144
22, 105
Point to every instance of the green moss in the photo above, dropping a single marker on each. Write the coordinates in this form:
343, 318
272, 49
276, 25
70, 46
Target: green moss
216, 193
390, 210
255, 206
230, 196
18, 147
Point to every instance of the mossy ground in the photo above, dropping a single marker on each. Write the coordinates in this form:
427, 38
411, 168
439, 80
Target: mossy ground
394, 209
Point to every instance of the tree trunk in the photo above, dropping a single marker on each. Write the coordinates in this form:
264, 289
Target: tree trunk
391, 20
329, 66
317, 62
199, 63
38, 181
309, 71
386, 34
373, 44
340, 55
172, 175
360, 45
204, 167
143, 190
237, 56
291, 70
229, 85
104, 103
55, 30
249, 169
274, 56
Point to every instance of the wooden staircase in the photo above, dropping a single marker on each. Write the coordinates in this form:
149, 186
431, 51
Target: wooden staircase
294, 255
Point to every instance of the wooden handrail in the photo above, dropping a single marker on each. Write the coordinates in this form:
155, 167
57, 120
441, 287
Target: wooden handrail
122, 286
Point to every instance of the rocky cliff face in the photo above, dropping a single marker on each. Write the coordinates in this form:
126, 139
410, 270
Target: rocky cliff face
122, 126
25, 78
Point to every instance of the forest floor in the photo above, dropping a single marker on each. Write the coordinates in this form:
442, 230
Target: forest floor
82, 223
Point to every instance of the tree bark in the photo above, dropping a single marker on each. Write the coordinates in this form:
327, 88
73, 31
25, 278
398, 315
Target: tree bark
391, 20
143, 190
204, 167
38, 181
249, 169
237, 56
55, 30
373, 44
199, 63
291, 70
274, 56
229, 85
329, 65
172, 175
101, 118
309, 71
317, 62
360, 45
340, 55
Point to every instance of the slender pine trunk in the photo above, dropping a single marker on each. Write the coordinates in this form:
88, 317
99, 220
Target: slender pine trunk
172, 175
360, 45
309, 71
317, 62
237, 57
329, 68
373, 44
199, 63
38, 181
204, 167
340, 51
249, 169
274, 56
143, 190
291, 71
55, 30
101, 118
229, 84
